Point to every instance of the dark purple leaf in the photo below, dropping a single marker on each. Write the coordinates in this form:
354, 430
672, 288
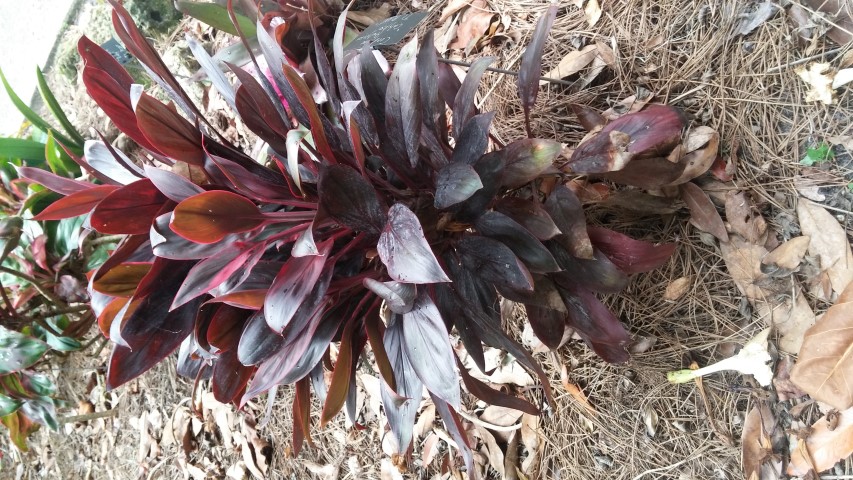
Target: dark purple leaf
528, 158
402, 103
168, 244
111, 162
434, 118
294, 282
404, 250
589, 118
303, 94
229, 376
527, 247
448, 84
490, 168
646, 173
174, 136
599, 328
258, 341
162, 336
598, 273
631, 256
276, 60
210, 216
463, 104
427, 347
474, 139
457, 431
193, 363
350, 199
225, 328
172, 185
401, 415
566, 211
129, 210
455, 183
531, 215
531, 64
374, 85
400, 297
547, 324
256, 183
493, 261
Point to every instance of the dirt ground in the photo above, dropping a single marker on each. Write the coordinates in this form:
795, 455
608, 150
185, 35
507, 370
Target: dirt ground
699, 55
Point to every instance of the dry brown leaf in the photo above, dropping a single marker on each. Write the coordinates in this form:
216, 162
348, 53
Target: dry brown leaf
789, 255
700, 149
703, 213
818, 76
592, 11
573, 62
756, 444
430, 449
425, 422
785, 388
844, 140
828, 243
824, 447
676, 289
323, 472
606, 53
802, 21
627, 105
452, 7
650, 420
530, 440
493, 450
371, 16
824, 368
575, 391
474, 23
791, 318
744, 218
500, 416
808, 189
840, 12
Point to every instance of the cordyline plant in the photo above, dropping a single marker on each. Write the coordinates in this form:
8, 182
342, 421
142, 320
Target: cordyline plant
374, 218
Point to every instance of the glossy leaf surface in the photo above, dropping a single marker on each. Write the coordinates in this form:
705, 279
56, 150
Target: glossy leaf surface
404, 250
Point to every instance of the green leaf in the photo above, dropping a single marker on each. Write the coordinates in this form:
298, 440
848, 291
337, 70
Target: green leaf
818, 154
18, 351
41, 410
8, 405
57, 111
217, 17
38, 384
58, 160
32, 116
19, 148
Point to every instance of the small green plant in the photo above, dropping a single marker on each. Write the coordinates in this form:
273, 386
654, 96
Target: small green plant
818, 154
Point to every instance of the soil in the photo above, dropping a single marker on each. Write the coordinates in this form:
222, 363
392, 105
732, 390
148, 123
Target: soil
681, 52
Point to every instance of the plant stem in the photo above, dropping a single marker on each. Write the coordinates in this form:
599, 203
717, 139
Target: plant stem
56, 301
88, 416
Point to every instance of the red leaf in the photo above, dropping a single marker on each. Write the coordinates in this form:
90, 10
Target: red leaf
226, 327
208, 217
122, 280
229, 376
61, 185
174, 136
631, 256
304, 94
129, 210
211, 272
337, 394
75, 204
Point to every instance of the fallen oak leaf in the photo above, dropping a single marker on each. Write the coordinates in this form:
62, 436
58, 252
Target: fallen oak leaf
828, 242
823, 448
787, 256
703, 213
756, 445
573, 62
824, 368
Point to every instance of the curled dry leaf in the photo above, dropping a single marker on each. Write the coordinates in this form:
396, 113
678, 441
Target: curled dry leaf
824, 446
761, 13
477, 24
744, 218
828, 243
840, 13
703, 213
650, 420
530, 441
676, 289
493, 450
573, 62
787, 256
370, 16
575, 391
756, 443
824, 368
700, 149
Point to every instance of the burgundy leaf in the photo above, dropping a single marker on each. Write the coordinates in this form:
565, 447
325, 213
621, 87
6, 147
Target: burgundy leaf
168, 244
455, 183
404, 250
448, 84
210, 216
401, 414
172, 185
174, 136
211, 272
527, 159
129, 210
547, 324
631, 256
598, 273
527, 247
567, 214
152, 346
350, 199
647, 173
490, 168
650, 133
256, 183
75, 204
260, 115
471, 144
225, 328
492, 396
229, 376
599, 328
493, 261
589, 118
294, 282
531, 215
433, 109
122, 280
340, 385
531, 64
304, 96
374, 86
463, 104
52, 181
454, 425
427, 348
702, 211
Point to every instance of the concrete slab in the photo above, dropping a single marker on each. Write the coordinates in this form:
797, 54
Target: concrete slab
28, 30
